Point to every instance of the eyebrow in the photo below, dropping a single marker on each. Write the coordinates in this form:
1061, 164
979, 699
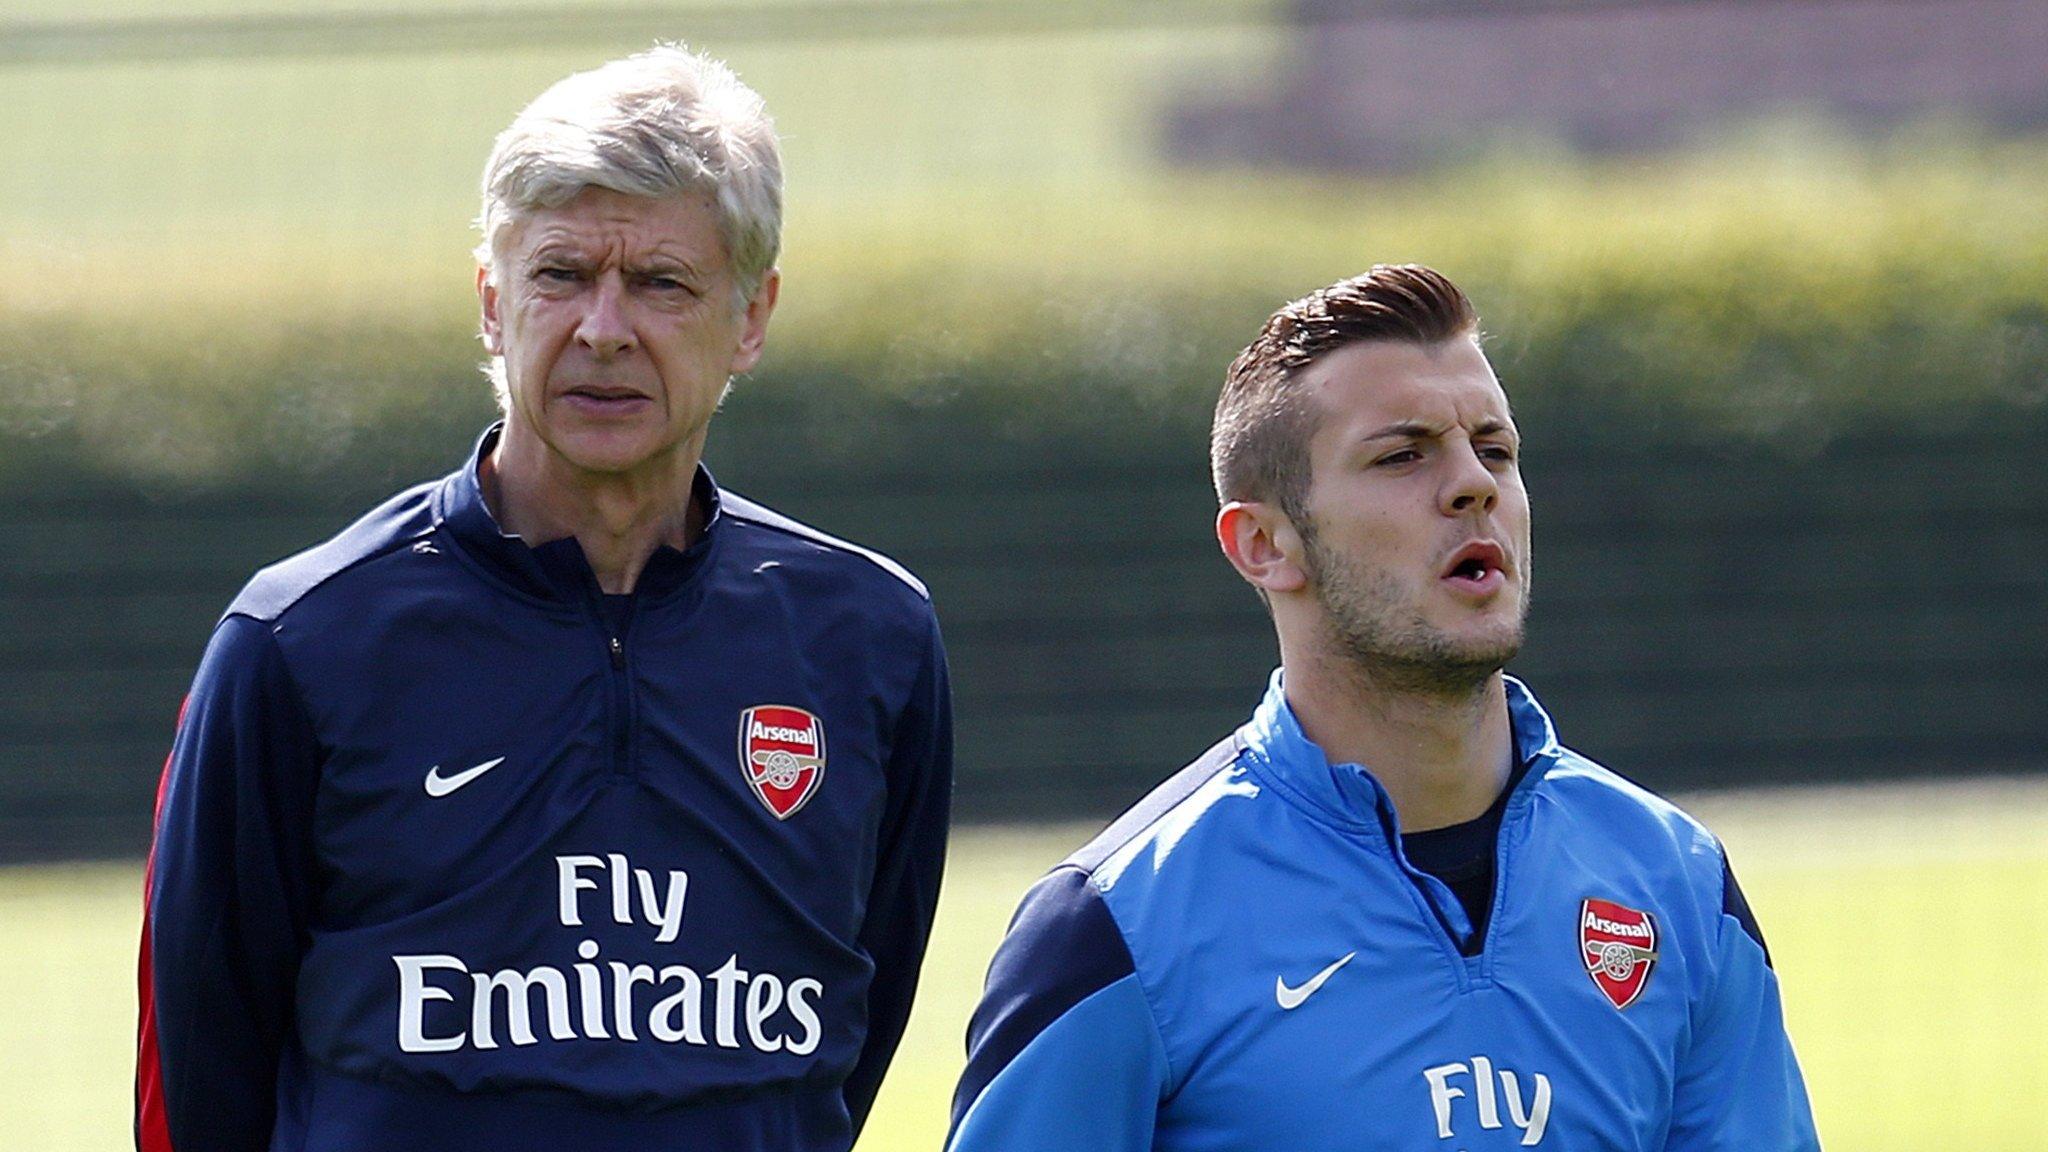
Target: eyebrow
1417, 430
1406, 430
563, 251
659, 265
556, 251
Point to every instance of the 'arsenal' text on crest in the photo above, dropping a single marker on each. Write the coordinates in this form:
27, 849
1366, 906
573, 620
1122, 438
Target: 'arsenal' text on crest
782, 752
1619, 946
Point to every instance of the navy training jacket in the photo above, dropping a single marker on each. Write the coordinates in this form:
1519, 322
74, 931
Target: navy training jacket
452, 853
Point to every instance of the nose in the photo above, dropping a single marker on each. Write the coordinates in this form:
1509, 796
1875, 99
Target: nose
605, 328
1471, 484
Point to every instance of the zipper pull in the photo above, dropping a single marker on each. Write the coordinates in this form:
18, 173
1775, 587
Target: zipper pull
618, 653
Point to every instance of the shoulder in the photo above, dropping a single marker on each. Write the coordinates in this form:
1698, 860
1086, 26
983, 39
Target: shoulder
390, 526
1062, 916
1064, 1023
1186, 795
1065, 914
1637, 819
1656, 839
840, 587
761, 527
1644, 833
1067, 945
1159, 867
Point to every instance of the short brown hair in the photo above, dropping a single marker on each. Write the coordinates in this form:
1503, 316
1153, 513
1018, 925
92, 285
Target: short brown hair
1258, 445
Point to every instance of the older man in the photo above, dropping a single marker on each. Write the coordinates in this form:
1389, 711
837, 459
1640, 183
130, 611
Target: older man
569, 801
1392, 911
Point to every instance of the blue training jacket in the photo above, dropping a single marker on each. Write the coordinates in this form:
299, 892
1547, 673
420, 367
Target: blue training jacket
1246, 961
452, 854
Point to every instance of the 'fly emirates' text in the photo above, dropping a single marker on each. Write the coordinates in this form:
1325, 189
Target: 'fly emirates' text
597, 1000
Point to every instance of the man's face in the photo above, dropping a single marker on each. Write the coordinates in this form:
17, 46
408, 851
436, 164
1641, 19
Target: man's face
617, 321
1416, 538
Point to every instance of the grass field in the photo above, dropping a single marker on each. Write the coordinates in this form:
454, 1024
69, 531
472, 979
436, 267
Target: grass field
387, 147
1907, 924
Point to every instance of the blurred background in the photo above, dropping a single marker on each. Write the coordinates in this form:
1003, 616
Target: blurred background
1767, 283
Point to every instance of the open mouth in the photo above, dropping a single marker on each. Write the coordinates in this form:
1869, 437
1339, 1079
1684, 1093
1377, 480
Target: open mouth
1480, 566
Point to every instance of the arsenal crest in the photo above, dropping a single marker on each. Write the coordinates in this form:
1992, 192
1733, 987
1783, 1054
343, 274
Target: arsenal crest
1619, 946
782, 752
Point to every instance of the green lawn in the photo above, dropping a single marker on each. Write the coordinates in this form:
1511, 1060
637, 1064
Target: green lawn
384, 150
1907, 923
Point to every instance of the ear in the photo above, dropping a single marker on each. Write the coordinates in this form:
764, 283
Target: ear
487, 299
754, 332
1263, 545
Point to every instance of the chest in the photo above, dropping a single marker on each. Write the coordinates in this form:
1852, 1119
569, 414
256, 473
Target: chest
476, 749
1346, 1020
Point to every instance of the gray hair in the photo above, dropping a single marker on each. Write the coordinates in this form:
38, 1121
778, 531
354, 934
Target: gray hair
657, 123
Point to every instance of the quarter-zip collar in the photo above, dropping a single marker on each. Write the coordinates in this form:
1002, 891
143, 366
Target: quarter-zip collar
557, 570
1349, 794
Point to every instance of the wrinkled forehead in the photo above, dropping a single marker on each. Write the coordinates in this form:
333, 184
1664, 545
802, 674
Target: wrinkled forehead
1381, 383
684, 226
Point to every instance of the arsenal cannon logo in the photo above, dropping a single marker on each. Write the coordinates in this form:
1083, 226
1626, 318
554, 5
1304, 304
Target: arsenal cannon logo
1619, 946
782, 752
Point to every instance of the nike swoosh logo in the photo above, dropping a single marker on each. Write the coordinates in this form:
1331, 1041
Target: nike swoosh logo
439, 785
1291, 998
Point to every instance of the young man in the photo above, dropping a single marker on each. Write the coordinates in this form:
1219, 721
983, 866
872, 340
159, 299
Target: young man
570, 801
1391, 911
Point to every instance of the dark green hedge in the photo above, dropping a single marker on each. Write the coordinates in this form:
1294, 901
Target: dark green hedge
1778, 292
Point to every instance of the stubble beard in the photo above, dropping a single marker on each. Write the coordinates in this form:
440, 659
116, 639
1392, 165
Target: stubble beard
1386, 644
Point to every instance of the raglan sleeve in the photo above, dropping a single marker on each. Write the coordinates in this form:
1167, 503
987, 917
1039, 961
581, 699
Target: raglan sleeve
1739, 1088
226, 901
904, 895
1063, 1051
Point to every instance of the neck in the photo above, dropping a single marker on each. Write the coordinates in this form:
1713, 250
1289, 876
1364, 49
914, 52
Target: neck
1442, 755
619, 519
